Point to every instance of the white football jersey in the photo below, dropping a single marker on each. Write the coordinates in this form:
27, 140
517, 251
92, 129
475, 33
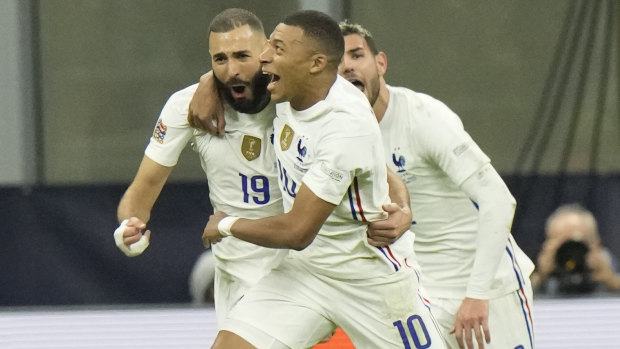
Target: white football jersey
426, 144
241, 172
334, 147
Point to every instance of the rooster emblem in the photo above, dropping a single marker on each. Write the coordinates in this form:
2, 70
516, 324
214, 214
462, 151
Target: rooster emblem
301, 150
400, 162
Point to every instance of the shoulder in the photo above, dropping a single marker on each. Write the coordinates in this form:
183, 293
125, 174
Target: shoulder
182, 97
421, 106
416, 99
350, 104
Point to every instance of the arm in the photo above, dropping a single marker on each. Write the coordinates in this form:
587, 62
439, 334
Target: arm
136, 204
205, 109
496, 208
295, 229
383, 233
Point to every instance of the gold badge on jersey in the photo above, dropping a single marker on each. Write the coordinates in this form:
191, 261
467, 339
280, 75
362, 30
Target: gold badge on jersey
250, 147
286, 137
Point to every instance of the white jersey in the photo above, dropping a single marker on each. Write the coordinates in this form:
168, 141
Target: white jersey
334, 148
426, 144
241, 172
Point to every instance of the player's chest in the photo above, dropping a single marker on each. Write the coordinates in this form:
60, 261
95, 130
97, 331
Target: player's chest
251, 148
404, 157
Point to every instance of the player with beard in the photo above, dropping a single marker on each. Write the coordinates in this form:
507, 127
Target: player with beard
240, 166
476, 275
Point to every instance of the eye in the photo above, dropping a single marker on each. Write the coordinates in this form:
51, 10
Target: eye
278, 48
219, 59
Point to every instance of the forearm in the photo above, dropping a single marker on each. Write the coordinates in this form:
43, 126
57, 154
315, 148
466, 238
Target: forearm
136, 202
141, 195
275, 232
295, 229
496, 208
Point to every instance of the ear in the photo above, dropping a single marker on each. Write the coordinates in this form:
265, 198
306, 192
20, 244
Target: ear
319, 62
381, 61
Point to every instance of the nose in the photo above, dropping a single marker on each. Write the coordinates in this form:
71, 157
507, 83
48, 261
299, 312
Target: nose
267, 54
345, 66
233, 68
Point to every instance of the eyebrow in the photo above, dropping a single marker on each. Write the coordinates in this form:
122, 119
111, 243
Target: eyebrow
277, 41
234, 53
356, 50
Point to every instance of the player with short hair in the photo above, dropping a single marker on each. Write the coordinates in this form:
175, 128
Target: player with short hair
333, 180
474, 272
240, 166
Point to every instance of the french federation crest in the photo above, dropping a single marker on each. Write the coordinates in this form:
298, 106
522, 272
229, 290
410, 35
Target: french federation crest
250, 147
286, 137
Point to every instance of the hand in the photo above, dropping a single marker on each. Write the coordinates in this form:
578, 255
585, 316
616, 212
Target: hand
398, 221
473, 315
129, 237
211, 234
601, 269
205, 109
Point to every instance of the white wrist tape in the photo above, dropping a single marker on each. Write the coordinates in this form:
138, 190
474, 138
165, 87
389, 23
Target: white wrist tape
134, 249
225, 224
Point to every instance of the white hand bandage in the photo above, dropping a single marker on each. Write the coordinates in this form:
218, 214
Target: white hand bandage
225, 224
134, 249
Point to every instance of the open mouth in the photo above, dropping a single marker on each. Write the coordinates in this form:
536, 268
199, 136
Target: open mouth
358, 84
273, 81
238, 91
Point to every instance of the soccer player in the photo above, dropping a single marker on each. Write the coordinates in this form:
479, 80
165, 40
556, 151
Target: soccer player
333, 181
474, 272
240, 166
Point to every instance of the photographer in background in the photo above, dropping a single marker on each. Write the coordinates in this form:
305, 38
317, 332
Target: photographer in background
572, 259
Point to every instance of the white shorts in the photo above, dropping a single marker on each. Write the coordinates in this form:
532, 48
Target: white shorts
298, 308
227, 292
510, 320
229, 287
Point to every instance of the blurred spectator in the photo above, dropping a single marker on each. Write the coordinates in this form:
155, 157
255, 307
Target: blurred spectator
572, 259
202, 278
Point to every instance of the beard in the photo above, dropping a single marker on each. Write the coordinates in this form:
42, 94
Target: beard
260, 95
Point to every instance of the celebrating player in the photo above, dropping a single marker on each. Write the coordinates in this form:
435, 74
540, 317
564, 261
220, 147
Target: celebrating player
333, 181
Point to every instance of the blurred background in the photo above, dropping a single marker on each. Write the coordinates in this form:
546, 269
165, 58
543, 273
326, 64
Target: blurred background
82, 84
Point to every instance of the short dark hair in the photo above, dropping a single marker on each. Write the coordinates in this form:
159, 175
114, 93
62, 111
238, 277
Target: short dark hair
232, 18
323, 29
348, 28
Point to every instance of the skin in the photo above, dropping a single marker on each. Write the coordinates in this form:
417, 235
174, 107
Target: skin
366, 70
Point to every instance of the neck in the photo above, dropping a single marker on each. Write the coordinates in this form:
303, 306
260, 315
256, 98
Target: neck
314, 91
382, 101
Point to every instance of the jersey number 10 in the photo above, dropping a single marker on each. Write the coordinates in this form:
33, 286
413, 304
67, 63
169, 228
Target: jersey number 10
418, 331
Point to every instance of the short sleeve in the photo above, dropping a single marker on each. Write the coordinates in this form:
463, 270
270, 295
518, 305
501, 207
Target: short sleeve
172, 131
337, 161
